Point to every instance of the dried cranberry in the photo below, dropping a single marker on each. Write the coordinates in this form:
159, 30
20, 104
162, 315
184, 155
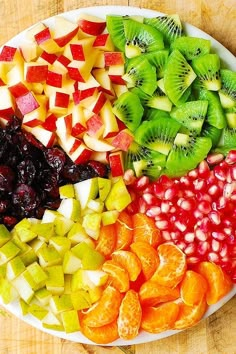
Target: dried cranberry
55, 157
9, 221
25, 198
26, 172
7, 177
4, 205
14, 124
100, 169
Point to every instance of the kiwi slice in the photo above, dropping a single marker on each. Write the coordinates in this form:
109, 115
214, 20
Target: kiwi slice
128, 109
158, 59
215, 115
141, 38
115, 27
169, 25
154, 114
188, 152
158, 134
227, 92
191, 115
137, 152
191, 47
211, 132
178, 77
228, 141
158, 99
230, 115
150, 167
207, 68
140, 73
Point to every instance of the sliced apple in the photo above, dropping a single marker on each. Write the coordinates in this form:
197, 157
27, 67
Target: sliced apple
64, 31
97, 144
91, 24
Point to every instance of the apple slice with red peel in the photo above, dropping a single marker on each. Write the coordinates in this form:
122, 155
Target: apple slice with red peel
46, 58
123, 140
109, 120
46, 137
58, 103
97, 144
27, 103
116, 163
64, 31
35, 72
95, 126
103, 42
91, 24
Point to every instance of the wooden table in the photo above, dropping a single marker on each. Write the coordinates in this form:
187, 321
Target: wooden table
215, 335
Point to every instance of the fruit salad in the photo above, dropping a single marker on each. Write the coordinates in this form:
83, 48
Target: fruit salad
117, 176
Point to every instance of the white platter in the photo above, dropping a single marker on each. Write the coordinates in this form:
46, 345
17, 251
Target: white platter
228, 60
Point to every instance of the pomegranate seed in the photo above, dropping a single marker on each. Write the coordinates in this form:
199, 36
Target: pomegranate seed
214, 159
220, 173
215, 245
129, 177
165, 207
190, 249
203, 196
197, 214
141, 183
188, 193
172, 210
142, 206
229, 188
180, 225
175, 235
204, 224
201, 235
214, 190
203, 247
204, 207
187, 204
159, 190
149, 198
224, 251
166, 235
203, 169
171, 192
213, 257
193, 174
231, 157
181, 245
214, 216
199, 184
193, 260
189, 237
232, 172
220, 236
162, 224
153, 211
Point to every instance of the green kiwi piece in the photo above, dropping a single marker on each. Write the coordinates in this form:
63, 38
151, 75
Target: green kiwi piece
191, 115
158, 59
154, 114
230, 115
140, 73
178, 77
215, 115
115, 27
158, 99
150, 167
211, 132
141, 38
169, 25
187, 152
137, 152
158, 134
227, 92
128, 109
228, 141
207, 68
191, 47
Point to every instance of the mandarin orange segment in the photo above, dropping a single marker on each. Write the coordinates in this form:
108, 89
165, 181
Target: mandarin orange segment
107, 240
148, 257
161, 318
100, 335
219, 284
172, 265
130, 315
151, 293
118, 277
146, 230
128, 261
190, 315
105, 310
193, 288
124, 231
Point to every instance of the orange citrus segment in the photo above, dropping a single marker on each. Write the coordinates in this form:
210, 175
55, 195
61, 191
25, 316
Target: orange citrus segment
128, 261
161, 318
172, 265
190, 315
193, 288
146, 230
100, 335
151, 293
130, 315
105, 310
118, 277
124, 231
148, 257
218, 282
107, 240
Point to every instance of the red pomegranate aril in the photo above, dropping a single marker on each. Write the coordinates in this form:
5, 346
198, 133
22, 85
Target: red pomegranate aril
224, 250
198, 214
214, 190
204, 207
213, 257
175, 235
187, 204
203, 247
217, 235
228, 189
215, 158
181, 245
165, 207
142, 206
171, 192
201, 235
129, 177
192, 174
204, 224
203, 196
153, 211
220, 173
166, 235
231, 157
214, 217
190, 249
193, 260
203, 169
162, 224
141, 183
159, 191
189, 237
172, 210
232, 171
180, 225
215, 246
199, 184
187, 193
149, 198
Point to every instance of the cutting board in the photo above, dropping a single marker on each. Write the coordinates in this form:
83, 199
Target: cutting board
215, 335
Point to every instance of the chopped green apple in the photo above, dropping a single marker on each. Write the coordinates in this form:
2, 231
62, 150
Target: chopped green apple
5, 235
44, 230
104, 186
8, 292
24, 247
80, 299
67, 191
60, 303
71, 263
77, 234
3, 270
23, 287
86, 190
91, 223
43, 296
8, 251
48, 256
37, 311
119, 197
62, 225
70, 321
61, 243
24, 307
95, 293
38, 274
14, 268
95, 205
29, 256
55, 282
81, 249
97, 277
70, 208
67, 284
36, 244
109, 217
49, 216
50, 321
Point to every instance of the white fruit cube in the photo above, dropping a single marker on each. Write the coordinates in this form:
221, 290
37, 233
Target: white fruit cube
71, 263
4, 235
80, 299
50, 321
43, 296
109, 217
8, 293
7, 105
23, 287
61, 243
37, 311
86, 190
64, 30
77, 234
48, 256
92, 223
70, 208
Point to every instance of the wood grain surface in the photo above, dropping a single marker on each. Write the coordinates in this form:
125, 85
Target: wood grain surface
215, 335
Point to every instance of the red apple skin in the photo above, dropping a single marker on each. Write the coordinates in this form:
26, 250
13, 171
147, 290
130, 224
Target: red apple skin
36, 73
79, 95
62, 41
18, 90
77, 52
54, 79
75, 146
84, 154
27, 103
63, 60
117, 79
62, 99
116, 164
33, 123
78, 129
99, 103
7, 113
50, 123
94, 124
7, 53
122, 140
75, 74
49, 57
92, 28
43, 36
114, 58
2, 83
101, 40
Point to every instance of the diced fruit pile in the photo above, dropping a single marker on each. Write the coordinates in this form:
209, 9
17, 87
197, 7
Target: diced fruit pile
117, 176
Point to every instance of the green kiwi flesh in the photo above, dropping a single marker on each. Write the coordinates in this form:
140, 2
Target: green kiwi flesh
169, 25
188, 153
150, 167
177, 78
211, 132
207, 68
157, 134
140, 73
158, 59
227, 92
191, 47
141, 38
137, 152
115, 27
191, 115
228, 141
128, 109
157, 100
215, 115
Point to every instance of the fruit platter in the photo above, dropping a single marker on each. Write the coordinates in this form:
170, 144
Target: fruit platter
117, 175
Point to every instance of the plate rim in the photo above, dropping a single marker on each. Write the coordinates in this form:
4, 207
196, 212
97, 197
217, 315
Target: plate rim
230, 62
